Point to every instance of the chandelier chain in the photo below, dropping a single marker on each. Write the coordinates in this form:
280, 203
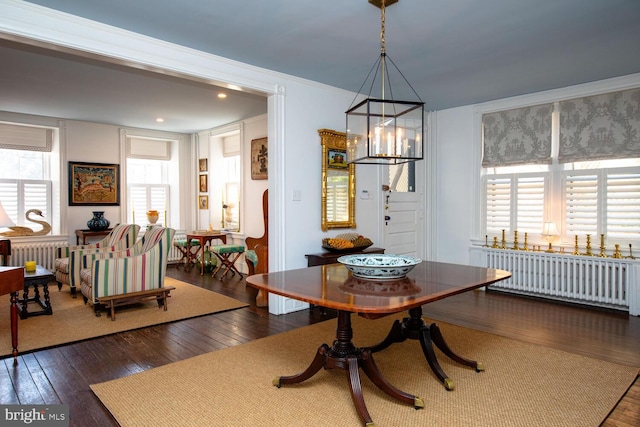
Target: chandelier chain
383, 46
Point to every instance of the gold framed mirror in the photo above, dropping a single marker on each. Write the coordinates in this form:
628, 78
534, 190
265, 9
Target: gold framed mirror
338, 182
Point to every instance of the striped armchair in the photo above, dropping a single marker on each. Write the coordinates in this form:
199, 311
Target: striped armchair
68, 271
124, 277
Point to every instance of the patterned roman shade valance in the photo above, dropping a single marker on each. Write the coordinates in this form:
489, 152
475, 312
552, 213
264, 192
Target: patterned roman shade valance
517, 137
600, 127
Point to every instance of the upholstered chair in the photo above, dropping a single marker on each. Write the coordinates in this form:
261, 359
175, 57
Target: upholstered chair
135, 270
67, 273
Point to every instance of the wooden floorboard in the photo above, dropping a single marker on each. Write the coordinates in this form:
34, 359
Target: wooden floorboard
63, 374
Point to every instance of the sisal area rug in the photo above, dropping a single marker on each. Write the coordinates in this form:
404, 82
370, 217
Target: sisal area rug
523, 385
72, 320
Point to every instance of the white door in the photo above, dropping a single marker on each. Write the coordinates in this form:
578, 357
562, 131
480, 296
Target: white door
403, 220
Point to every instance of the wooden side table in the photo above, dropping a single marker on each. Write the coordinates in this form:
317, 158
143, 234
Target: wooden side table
81, 235
12, 282
324, 258
33, 279
203, 237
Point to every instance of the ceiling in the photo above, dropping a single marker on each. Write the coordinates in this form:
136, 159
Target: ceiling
452, 52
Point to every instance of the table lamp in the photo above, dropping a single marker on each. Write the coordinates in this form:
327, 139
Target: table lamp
5, 221
549, 233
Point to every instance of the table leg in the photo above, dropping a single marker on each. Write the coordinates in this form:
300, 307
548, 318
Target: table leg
413, 327
201, 252
47, 301
14, 326
344, 355
24, 313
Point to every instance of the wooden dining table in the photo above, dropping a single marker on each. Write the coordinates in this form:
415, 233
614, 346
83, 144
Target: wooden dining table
333, 286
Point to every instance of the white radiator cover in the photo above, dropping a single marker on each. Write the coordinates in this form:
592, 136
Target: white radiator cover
592, 280
43, 253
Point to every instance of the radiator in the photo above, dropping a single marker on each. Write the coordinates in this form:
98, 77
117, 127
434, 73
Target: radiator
602, 282
174, 253
43, 253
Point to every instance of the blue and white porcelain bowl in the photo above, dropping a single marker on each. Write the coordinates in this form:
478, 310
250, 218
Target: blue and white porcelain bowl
379, 266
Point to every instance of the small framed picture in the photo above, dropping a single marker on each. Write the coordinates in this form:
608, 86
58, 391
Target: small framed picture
204, 186
203, 202
337, 159
203, 165
259, 159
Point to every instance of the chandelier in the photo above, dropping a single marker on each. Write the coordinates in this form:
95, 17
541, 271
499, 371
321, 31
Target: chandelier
381, 129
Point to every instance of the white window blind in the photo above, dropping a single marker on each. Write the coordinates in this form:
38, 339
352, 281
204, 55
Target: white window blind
515, 203
144, 197
498, 201
18, 196
24, 137
530, 209
581, 204
623, 206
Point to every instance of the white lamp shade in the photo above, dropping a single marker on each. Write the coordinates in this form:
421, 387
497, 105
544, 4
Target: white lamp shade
549, 229
5, 221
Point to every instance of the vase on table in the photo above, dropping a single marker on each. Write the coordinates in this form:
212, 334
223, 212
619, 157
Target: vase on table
98, 222
152, 217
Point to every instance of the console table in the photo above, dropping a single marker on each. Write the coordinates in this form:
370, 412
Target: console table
81, 235
324, 258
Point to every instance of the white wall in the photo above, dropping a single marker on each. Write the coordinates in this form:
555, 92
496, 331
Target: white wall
95, 143
454, 184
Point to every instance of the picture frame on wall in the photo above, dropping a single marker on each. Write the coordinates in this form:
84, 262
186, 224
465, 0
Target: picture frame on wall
204, 183
94, 184
259, 159
203, 165
337, 159
203, 202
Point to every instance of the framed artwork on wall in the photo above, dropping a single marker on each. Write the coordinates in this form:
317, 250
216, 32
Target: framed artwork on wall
204, 183
203, 165
94, 184
259, 159
337, 159
203, 202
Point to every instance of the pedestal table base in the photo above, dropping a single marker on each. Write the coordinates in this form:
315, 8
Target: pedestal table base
414, 327
344, 355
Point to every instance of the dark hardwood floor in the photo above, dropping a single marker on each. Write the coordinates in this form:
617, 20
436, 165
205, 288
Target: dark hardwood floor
63, 374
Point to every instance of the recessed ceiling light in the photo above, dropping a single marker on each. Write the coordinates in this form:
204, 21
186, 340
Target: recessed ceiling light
222, 95
160, 120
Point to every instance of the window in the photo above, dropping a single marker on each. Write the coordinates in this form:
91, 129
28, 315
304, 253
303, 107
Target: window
25, 177
151, 168
580, 170
515, 202
147, 190
231, 196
